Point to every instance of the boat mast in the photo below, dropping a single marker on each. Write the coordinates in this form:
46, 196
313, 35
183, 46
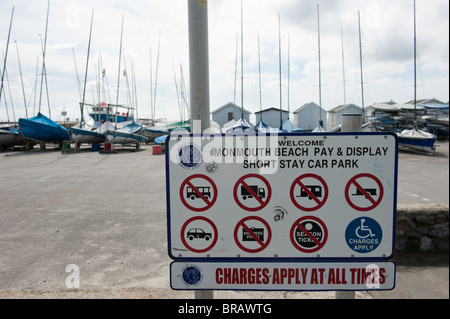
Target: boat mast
118, 75
361, 65
86, 72
279, 70
242, 67
235, 68
156, 75
6, 53
343, 65
259, 68
415, 72
43, 63
320, 73
21, 80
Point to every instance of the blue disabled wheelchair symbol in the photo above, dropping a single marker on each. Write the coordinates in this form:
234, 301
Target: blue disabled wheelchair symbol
363, 235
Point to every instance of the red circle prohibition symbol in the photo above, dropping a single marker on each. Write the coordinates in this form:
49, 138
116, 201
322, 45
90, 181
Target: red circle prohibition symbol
262, 244
183, 239
262, 203
198, 194
303, 187
364, 192
318, 243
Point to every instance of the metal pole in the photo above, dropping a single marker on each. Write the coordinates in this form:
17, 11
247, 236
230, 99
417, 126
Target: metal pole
199, 62
199, 77
350, 123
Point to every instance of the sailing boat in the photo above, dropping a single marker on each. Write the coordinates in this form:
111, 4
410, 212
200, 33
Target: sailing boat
417, 139
287, 126
128, 133
152, 131
83, 133
40, 127
242, 125
261, 126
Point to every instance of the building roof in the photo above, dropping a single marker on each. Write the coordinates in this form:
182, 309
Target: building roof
305, 106
341, 107
230, 104
270, 109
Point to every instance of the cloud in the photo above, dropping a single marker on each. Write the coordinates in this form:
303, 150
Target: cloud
387, 49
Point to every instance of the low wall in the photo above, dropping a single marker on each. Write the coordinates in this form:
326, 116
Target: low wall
423, 227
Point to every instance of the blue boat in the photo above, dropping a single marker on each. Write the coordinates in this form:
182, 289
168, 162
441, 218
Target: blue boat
418, 140
41, 128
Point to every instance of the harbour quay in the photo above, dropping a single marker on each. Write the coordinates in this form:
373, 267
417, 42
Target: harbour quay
104, 214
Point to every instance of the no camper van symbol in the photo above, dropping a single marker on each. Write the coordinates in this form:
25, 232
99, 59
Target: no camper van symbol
314, 189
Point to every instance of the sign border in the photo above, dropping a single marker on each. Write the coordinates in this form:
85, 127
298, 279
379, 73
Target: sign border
173, 139
310, 261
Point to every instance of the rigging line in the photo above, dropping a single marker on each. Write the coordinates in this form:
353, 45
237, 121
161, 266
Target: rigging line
156, 75
361, 65
86, 72
21, 80
43, 61
118, 75
279, 68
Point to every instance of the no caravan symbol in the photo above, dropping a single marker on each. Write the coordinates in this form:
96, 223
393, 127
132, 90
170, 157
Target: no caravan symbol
309, 192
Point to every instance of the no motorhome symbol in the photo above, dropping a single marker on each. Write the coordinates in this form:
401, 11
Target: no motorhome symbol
309, 192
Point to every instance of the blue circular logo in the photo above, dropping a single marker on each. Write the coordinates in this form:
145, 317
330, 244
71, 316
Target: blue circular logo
190, 156
363, 235
192, 275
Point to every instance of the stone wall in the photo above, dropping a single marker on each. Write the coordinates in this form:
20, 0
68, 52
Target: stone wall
423, 227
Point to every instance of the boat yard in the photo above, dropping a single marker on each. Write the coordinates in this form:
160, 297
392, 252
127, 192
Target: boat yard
106, 213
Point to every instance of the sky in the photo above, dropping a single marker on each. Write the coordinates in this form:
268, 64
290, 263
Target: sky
152, 26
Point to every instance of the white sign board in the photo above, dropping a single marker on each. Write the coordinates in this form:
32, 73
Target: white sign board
284, 276
290, 196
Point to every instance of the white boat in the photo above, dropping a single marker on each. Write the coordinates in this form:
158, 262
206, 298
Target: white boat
418, 140
8, 138
86, 134
414, 138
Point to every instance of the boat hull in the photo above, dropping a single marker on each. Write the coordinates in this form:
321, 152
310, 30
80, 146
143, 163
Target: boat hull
8, 138
124, 138
87, 137
424, 145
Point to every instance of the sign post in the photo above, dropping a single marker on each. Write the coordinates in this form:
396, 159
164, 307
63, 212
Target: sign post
306, 201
